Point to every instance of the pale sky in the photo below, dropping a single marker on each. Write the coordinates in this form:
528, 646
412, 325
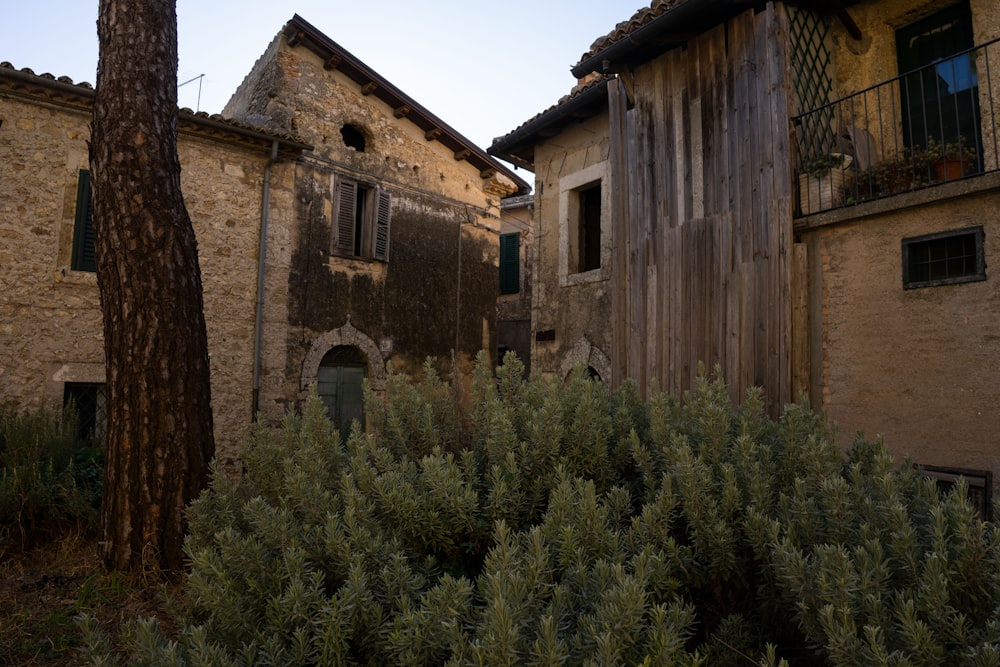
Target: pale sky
483, 67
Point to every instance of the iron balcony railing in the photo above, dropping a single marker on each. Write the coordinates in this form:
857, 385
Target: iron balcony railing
931, 125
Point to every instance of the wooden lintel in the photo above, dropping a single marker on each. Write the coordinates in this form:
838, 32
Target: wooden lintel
399, 112
489, 172
333, 61
296, 37
432, 134
463, 154
369, 88
845, 18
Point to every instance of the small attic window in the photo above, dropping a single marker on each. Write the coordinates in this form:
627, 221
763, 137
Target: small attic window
354, 137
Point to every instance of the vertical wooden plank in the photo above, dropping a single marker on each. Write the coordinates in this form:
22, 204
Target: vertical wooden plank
693, 130
617, 108
719, 112
635, 323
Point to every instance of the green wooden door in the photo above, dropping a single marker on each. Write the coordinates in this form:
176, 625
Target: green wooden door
340, 385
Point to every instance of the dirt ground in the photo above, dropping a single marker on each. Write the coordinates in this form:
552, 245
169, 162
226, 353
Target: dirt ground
44, 590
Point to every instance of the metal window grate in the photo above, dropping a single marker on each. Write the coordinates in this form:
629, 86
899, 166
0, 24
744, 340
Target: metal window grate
811, 62
942, 259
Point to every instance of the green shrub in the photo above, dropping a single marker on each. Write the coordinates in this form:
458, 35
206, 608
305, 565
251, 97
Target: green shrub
49, 480
566, 524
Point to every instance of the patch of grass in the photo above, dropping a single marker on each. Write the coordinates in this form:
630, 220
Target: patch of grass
42, 592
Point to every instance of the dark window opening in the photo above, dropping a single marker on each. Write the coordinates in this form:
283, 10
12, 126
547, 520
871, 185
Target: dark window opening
359, 219
83, 226
353, 137
940, 103
945, 258
89, 401
589, 229
340, 385
361, 216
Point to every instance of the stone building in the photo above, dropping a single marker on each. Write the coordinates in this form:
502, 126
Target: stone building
340, 226
517, 259
776, 200
393, 249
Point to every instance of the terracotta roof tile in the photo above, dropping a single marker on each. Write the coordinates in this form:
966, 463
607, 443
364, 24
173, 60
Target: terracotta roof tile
86, 90
626, 28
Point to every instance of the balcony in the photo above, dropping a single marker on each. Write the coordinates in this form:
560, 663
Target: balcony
923, 128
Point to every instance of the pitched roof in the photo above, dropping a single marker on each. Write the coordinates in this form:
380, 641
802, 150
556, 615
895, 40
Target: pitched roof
64, 92
584, 101
667, 24
299, 32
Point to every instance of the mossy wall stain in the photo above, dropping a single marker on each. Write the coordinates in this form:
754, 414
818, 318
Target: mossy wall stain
409, 305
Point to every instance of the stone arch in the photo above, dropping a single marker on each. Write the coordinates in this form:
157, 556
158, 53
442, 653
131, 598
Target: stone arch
586, 353
345, 335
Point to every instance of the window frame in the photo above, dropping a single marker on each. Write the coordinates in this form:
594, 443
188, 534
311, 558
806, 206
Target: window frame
368, 218
908, 244
571, 189
979, 482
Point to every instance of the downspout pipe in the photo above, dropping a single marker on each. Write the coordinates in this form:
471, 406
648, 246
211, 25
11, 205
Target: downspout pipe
258, 345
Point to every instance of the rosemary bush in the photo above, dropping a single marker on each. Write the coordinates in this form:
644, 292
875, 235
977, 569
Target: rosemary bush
556, 524
49, 479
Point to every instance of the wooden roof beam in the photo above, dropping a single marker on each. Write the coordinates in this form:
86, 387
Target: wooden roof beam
400, 112
432, 134
845, 18
369, 88
462, 154
333, 61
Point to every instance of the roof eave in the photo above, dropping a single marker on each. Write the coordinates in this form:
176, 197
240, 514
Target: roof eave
530, 133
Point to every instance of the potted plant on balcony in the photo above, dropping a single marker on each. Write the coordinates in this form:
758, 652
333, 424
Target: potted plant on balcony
951, 160
895, 173
821, 185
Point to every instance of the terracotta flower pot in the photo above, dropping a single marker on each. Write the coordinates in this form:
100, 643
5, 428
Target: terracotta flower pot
950, 168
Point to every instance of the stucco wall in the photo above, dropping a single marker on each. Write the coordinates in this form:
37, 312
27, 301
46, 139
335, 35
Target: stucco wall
918, 366
576, 312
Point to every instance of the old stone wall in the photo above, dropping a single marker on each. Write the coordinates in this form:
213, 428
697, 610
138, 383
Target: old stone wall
436, 293
571, 311
50, 322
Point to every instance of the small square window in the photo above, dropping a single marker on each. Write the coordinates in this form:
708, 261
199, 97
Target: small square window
89, 401
979, 483
945, 258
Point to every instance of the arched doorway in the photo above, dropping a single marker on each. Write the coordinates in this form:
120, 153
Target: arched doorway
340, 385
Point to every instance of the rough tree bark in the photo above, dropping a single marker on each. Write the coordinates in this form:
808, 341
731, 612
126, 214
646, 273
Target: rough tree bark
159, 436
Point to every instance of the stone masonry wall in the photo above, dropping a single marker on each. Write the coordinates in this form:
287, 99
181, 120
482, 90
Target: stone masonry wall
428, 299
574, 314
50, 323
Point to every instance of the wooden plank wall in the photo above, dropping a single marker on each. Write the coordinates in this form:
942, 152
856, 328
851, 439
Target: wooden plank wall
703, 226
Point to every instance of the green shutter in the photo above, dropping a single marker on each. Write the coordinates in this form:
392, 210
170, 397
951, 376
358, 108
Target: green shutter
382, 210
345, 195
83, 227
510, 263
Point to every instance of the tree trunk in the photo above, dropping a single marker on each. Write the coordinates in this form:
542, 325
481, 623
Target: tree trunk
159, 437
